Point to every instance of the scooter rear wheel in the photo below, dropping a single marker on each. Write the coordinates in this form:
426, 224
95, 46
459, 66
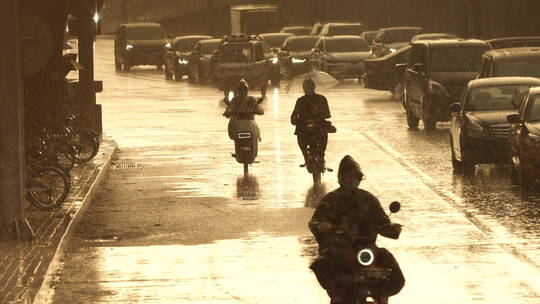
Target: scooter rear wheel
316, 177
246, 169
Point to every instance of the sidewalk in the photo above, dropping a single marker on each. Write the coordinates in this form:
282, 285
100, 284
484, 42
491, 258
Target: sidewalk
24, 264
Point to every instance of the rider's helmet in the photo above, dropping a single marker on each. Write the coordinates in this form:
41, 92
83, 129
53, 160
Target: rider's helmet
349, 170
309, 86
243, 88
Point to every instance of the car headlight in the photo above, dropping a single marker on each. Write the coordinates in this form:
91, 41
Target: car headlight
129, 46
274, 60
437, 89
182, 61
298, 60
474, 129
167, 45
392, 50
365, 257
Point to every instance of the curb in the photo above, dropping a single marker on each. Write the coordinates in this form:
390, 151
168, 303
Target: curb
46, 291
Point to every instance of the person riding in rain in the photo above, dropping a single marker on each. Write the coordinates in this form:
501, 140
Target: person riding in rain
358, 213
311, 106
241, 112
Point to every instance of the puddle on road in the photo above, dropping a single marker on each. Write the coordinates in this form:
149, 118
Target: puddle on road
258, 269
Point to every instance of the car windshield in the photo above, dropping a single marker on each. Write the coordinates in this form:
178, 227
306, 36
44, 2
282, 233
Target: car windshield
495, 98
456, 59
208, 48
344, 29
275, 41
298, 30
534, 109
528, 67
301, 45
346, 45
185, 45
236, 53
145, 33
401, 35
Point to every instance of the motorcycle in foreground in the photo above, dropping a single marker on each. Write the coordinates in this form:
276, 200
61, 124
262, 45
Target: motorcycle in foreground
367, 272
315, 163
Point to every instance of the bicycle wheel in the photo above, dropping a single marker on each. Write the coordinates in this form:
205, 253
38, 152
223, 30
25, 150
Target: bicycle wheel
55, 187
65, 155
86, 145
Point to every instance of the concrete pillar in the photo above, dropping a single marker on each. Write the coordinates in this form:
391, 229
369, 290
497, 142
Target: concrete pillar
12, 217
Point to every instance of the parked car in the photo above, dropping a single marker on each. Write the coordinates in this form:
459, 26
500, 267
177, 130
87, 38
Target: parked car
380, 72
316, 29
139, 44
240, 57
479, 130
177, 56
436, 76
272, 45
339, 29
297, 30
521, 61
369, 36
525, 141
341, 56
200, 58
433, 36
294, 56
391, 39
510, 42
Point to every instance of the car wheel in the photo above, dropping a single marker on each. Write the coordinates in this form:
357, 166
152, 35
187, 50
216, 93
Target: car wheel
456, 164
514, 173
429, 123
398, 92
117, 65
127, 67
467, 161
168, 74
525, 180
412, 120
201, 78
178, 76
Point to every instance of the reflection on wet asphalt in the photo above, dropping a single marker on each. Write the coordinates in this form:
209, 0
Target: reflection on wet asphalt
186, 227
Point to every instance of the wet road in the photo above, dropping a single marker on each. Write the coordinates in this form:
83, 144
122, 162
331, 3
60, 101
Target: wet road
177, 223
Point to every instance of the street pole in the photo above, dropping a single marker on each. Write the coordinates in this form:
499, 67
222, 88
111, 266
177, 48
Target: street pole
86, 58
12, 218
124, 13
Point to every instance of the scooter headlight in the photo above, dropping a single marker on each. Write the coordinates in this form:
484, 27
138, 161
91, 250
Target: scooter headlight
365, 257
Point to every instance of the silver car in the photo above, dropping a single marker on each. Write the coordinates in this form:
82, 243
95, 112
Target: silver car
341, 56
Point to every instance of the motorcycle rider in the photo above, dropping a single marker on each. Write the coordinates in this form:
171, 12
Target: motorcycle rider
241, 111
351, 212
311, 106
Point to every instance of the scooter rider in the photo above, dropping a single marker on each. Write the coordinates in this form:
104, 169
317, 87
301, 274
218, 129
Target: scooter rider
241, 111
311, 106
356, 212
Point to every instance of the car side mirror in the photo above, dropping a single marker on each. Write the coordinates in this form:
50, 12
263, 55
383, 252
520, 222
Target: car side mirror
395, 207
513, 118
455, 107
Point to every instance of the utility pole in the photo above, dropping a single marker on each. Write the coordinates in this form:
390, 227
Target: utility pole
12, 218
87, 91
124, 11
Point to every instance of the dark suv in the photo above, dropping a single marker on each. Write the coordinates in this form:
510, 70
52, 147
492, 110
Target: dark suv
479, 130
520, 61
525, 141
177, 56
139, 44
200, 60
436, 76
